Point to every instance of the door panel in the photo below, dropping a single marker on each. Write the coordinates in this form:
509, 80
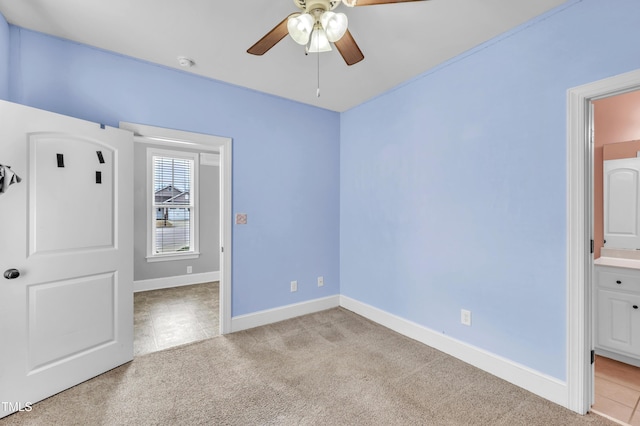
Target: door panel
616, 322
67, 227
621, 203
57, 189
60, 328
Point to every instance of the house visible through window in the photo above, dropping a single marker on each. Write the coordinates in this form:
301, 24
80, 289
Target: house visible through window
173, 225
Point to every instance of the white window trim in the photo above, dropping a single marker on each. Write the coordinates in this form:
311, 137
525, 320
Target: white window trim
151, 213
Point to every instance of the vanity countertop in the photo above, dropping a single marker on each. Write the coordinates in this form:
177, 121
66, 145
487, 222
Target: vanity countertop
617, 262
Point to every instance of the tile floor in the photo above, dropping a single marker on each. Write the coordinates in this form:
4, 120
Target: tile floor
175, 316
617, 390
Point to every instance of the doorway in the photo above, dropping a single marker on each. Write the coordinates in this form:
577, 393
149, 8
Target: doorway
616, 143
183, 297
580, 298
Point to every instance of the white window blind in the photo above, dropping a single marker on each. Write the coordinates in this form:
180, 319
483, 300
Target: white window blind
173, 203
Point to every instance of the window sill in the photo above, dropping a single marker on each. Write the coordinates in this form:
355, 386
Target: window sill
173, 256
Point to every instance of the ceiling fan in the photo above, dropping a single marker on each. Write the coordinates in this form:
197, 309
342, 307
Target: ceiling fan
317, 26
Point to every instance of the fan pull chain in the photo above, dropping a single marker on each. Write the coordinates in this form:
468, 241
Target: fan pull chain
318, 91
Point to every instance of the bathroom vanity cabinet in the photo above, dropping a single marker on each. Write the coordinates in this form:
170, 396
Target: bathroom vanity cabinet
617, 309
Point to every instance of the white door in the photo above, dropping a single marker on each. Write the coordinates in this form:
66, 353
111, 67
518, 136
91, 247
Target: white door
67, 229
622, 203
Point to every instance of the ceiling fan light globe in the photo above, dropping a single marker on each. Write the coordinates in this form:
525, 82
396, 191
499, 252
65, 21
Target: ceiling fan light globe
319, 42
334, 24
350, 3
300, 28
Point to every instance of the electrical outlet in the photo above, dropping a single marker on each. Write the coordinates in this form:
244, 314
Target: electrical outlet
189, 269
294, 286
465, 317
320, 281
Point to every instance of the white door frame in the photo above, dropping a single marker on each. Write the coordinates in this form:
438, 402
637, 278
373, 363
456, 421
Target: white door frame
580, 232
209, 143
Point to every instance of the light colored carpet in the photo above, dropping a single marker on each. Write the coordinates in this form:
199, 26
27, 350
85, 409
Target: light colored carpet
329, 368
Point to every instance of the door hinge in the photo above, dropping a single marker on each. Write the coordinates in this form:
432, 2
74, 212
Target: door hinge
222, 249
593, 356
591, 246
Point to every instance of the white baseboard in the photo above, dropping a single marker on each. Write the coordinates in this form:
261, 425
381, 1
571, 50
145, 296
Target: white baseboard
177, 281
618, 357
538, 383
269, 316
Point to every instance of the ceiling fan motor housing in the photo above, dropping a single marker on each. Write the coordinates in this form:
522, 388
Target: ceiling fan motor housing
309, 5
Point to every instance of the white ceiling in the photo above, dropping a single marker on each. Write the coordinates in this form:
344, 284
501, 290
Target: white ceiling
399, 41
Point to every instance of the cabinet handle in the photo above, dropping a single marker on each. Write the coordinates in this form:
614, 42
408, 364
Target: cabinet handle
618, 282
635, 306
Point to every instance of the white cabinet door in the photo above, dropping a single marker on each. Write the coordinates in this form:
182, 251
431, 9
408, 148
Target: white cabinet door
621, 203
618, 322
67, 228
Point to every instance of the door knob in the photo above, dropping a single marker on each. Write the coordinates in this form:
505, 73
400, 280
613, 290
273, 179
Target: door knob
11, 274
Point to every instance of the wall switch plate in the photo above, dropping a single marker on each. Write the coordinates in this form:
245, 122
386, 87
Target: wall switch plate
241, 218
465, 317
294, 286
189, 269
320, 281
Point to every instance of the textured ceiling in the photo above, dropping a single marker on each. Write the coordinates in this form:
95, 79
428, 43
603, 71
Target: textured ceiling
399, 41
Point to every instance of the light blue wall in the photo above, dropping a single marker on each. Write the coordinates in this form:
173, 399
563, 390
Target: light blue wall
284, 176
4, 58
453, 186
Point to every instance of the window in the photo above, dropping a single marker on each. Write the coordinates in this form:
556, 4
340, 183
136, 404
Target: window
173, 196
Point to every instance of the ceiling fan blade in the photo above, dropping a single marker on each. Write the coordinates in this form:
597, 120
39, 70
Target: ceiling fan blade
349, 49
374, 2
271, 38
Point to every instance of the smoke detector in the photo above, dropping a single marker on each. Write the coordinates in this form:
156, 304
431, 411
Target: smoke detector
186, 62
